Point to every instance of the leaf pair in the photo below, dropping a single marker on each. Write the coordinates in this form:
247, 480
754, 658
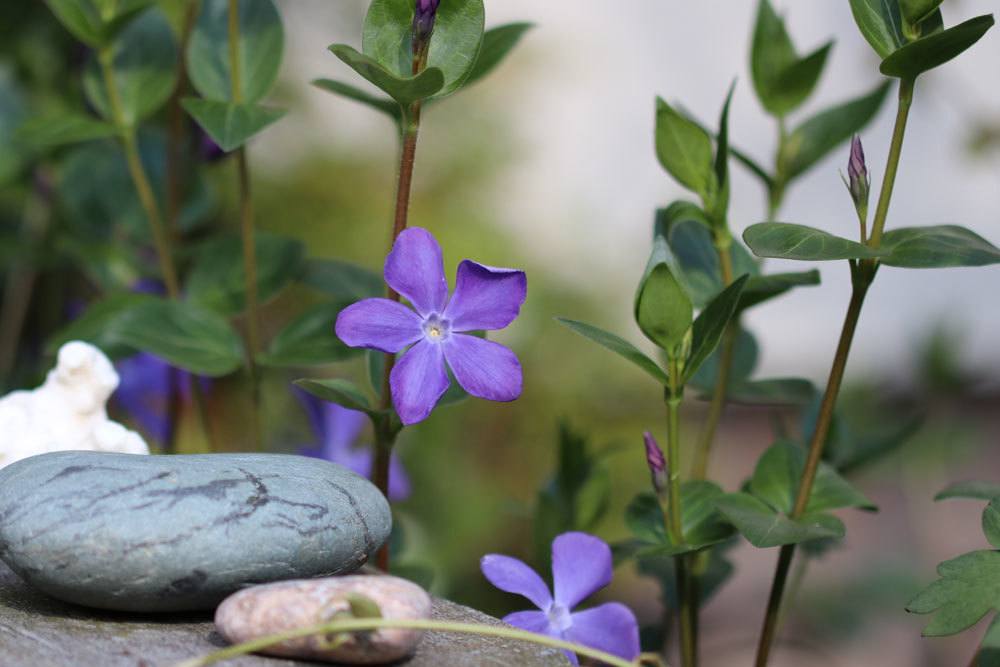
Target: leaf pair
701, 525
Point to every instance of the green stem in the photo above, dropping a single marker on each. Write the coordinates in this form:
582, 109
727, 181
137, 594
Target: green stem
776, 193
234, 50
363, 624
176, 128
892, 162
138, 174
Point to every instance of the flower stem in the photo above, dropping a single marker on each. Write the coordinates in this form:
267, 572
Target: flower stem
367, 624
892, 162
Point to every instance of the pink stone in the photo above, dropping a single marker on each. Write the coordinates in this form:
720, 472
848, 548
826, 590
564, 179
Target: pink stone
287, 605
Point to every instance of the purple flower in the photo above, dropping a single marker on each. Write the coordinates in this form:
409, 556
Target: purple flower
147, 386
581, 565
857, 174
423, 22
656, 462
485, 298
337, 430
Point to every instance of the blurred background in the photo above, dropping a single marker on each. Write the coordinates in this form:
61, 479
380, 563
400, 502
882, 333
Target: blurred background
548, 165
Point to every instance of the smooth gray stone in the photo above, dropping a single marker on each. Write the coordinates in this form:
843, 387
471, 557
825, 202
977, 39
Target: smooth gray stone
171, 533
37, 630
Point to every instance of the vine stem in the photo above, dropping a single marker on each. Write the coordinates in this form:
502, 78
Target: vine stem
892, 162
176, 129
363, 624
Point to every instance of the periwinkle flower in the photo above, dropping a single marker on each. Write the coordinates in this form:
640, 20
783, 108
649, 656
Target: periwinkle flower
437, 329
147, 386
857, 175
337, 430
581, 565
424, 16
656, 462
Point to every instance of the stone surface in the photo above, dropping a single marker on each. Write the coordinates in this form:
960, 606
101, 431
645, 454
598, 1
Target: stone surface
67, 411
171, 533
272, 608
37, 630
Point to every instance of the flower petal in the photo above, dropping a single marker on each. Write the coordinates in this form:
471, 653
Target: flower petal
380, 324
484, 369
532, 621
581, 565
417, 381
609, 627
361, 459
513, 576
415, 269
485, 297
399, 481
341, 428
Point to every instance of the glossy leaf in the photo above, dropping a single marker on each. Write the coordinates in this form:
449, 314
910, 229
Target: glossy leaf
183, 334
818, 136
880, 23
63, 129
145, 69
497, 43
685, 151
217, 279
95, 325
403, 89
388, 107
937, 247
915, 11
767, 286
341, 392
95, 23
764, 527
261, 44
662, 308
455, 43
707, 330
230, 125
342, 280
926, 53
619, 346
969, 588
977, 490
788, 241
308, 340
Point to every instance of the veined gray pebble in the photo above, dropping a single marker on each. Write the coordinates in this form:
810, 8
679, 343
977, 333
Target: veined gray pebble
172, 533
287, 605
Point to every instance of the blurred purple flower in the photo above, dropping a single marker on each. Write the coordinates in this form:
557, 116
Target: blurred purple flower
145, 390
207, 150
485, 298
581, 565
656, 462
337, 429
423, 21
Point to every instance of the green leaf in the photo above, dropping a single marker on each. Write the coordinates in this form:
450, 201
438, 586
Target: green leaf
880, 23
744, 361
308, 340
815, 138
455, 44
343, 280
915, 11
403, 89
497, 43
764, 527
685, 151
969, 588
93, 22
63, 129
707, 330
13, 111
775, 391
341, 392
217, 279
145, 69
720, 206
782, 80
991, 522
662, 307
387, 107
95, 326
937, 247
702, 525
788, 241
261, 43
619, 346
375, 365
977, 490
926, 53
183, 334
768, 286
989, 647
230, 125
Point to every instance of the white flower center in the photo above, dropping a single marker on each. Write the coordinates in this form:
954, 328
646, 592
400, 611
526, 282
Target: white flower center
559, 617
436, 329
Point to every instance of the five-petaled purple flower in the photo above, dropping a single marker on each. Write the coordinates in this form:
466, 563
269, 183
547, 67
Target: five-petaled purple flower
581, 565
337, 430
485, 298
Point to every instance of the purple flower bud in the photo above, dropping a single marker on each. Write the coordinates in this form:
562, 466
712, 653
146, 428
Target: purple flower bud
423, 23
857, 174
657, 463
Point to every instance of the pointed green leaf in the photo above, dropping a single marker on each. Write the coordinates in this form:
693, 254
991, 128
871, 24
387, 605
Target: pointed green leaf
341, 392
455, 43
308, 340
230, 125
63, 129
977, 490
937, 247
815, 138
619, 346
991, 522
763, 527
343, 280
387, 107
788, 241
95, 325
497, 43
402, 89
701, 524
707, 330
145, 69
775, 391
685, 151
915, 11
969, 588
915, 58
720, 207
880, 23
768, 286
662, 308
96, 22
183, 334
261, 44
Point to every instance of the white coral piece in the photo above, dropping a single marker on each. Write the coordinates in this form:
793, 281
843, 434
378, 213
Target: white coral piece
67, 412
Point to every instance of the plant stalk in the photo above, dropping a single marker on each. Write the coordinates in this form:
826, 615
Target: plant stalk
176, 125
892, 162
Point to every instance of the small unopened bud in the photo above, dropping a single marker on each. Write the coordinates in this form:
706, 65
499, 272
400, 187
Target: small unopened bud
423, 25
657, 463
857, 174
